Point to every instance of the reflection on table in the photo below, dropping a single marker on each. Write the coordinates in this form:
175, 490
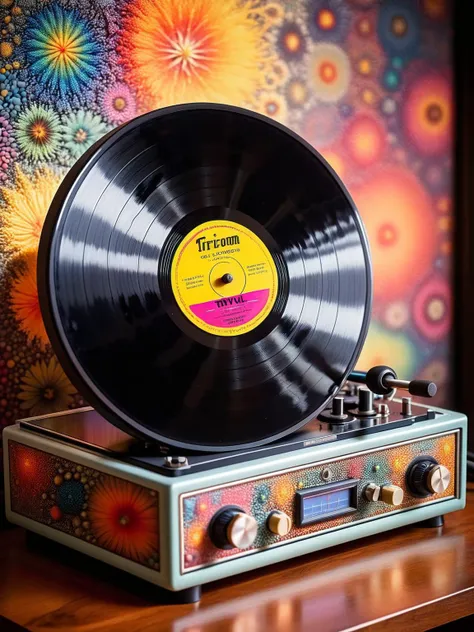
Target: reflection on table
357, 591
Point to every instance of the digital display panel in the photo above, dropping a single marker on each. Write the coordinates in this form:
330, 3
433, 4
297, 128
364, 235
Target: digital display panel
327, 501
315, 507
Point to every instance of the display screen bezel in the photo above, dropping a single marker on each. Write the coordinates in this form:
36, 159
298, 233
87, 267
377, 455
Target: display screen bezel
321, 490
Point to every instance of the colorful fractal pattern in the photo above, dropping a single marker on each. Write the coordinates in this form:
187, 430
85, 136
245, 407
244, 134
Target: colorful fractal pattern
260, 497
61, 50
108, 512
367, 83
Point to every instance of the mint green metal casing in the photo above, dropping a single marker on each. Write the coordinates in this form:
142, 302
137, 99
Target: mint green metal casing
170, 489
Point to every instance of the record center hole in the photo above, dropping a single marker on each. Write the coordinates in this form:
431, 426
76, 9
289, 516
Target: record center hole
227, 278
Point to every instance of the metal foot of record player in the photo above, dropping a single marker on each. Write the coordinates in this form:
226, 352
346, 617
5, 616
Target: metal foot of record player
205, 281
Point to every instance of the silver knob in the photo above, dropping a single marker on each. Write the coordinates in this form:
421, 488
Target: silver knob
438, 479
372, 492
242, 531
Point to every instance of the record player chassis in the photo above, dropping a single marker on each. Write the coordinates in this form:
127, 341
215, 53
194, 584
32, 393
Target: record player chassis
185, 558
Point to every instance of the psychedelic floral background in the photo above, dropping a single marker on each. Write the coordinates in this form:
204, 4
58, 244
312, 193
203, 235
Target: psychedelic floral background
366, 82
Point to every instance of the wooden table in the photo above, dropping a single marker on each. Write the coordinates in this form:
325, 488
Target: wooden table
408, 579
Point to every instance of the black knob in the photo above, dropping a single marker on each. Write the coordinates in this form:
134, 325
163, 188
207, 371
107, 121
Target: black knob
417, 476
375, 379
232, 528
422, 388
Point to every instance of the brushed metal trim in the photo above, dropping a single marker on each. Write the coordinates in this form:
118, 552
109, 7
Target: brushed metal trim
61, 413
181, 497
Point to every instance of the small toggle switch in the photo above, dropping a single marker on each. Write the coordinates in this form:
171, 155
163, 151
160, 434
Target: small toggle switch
406, 406
337, 410
383, 410
366, 403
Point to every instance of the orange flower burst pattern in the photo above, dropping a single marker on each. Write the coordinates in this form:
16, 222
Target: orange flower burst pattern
28, 201
45, 389
192, 50
25, 303
124, 517
118, 516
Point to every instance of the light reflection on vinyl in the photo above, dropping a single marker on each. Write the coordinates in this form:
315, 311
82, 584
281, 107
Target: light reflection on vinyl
174, 369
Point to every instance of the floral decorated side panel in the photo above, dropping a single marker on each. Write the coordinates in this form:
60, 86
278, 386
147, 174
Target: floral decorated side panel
264, 495
103, 510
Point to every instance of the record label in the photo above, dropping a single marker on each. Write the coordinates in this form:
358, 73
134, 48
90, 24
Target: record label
224, 278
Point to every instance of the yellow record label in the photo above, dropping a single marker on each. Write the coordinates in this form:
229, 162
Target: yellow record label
224, 278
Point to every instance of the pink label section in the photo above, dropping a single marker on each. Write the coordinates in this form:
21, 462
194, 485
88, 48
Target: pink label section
231, 311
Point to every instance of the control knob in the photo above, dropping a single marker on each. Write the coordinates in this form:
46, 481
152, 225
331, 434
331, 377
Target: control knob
279, 523
391, 495
426, 476
388, 494
232, 528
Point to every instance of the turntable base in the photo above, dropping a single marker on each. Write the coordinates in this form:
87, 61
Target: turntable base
98, 491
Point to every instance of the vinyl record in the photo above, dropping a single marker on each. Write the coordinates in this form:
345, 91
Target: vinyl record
205, 278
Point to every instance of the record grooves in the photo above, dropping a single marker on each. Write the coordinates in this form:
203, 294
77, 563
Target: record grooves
132, 259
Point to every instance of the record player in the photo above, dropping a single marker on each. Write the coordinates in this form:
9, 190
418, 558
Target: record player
205, 281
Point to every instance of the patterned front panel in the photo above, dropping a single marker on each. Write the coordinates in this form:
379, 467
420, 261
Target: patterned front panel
260, 497
103, 510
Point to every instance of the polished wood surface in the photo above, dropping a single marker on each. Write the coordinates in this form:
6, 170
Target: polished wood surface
411, 579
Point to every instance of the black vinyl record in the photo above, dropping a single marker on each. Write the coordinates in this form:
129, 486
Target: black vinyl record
205, 278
